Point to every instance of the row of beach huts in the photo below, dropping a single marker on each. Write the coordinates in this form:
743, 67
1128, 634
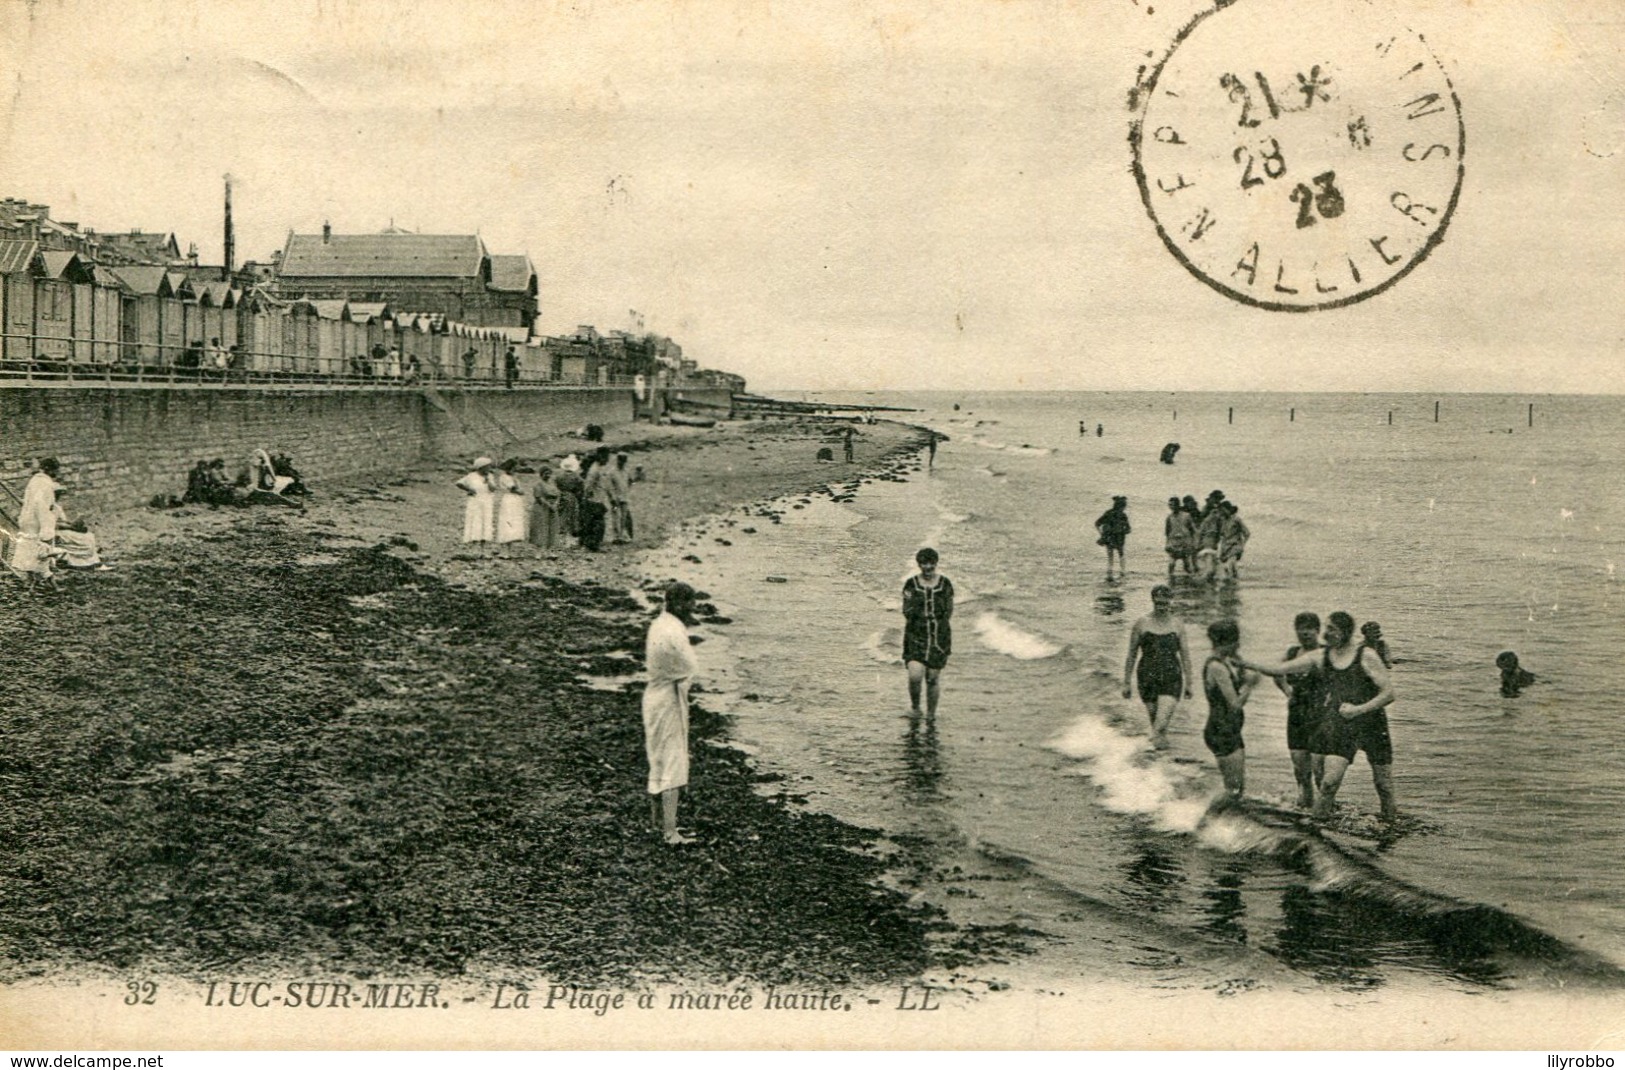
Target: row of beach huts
63, 315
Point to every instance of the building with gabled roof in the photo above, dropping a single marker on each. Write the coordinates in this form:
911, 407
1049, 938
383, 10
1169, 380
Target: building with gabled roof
514, 274
139, 247
451, 275
17, 254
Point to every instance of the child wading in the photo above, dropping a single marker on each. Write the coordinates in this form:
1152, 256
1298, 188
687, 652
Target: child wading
1228, 687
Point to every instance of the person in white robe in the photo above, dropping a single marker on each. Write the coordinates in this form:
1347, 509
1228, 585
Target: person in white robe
512, 518
36, 524
479, 513
669, 659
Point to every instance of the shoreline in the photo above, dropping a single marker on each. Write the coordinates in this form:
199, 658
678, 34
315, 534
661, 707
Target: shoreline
310, 741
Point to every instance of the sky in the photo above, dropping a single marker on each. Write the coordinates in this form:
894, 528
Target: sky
839, 195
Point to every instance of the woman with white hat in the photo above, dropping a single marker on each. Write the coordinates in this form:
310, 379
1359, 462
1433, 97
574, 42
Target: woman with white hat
479, 513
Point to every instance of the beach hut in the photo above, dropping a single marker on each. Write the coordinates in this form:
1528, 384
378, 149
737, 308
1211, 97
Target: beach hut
335, 345
146, 292
183, 316
56, 301
301, 339
106, 328
17, 262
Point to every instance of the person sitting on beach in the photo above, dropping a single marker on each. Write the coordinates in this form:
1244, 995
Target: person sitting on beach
206, 484
1114, 529
1514, 678
671, 665
265, 485
928, 609
1358, 691
1168, 453
479, 512
1157, 644
1179, 537
1305, 711
1233, 536
197, 484
75, 546
1228, 685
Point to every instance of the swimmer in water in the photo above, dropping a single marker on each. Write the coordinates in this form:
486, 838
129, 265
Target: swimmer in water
1305, 711
1163, 673
1228, 685
1514, 677
1358, 692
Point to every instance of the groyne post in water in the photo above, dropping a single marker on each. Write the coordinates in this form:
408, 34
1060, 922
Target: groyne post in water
1232, 417
1531, 414
1435, 412
1292, 416
1390, 417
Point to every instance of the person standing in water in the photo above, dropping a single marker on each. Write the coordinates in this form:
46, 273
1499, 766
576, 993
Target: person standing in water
1305, 710
1358, 689
1114, 530
1179, 537
1233, 536
928, 609
1228, 685
1157, 643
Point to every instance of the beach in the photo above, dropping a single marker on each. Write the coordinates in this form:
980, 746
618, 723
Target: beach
339, 741
340, 744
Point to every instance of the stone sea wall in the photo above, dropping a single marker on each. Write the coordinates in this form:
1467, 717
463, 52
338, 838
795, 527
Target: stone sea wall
118, 448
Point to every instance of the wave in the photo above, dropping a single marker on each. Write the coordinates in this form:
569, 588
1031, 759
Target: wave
1026, 449
1470, 939
884, 646
1160, 791
1278, 520
999, 634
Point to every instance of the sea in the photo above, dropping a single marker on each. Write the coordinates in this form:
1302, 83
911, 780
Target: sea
1465, 525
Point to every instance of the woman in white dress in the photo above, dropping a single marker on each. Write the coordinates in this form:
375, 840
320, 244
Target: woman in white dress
669, 659
513, 523
479, 512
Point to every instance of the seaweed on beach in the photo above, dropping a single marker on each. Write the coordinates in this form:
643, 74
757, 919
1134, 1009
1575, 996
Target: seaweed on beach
270, 752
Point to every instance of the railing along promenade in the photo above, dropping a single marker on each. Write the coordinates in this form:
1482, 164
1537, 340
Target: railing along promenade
270, 371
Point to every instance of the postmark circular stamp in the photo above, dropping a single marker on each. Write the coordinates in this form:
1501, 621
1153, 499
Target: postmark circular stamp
1298, 154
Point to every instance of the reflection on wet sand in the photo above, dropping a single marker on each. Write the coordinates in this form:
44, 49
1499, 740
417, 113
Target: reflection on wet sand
922, 761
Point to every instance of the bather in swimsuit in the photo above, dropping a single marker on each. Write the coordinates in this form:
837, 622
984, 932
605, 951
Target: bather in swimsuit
1158, 672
